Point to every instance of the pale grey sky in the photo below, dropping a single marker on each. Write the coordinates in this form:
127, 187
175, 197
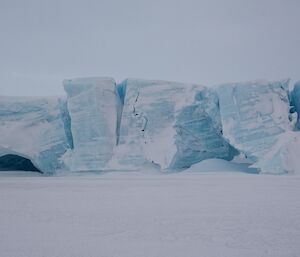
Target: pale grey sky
204, 41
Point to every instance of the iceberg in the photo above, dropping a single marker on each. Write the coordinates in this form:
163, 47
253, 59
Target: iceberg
93, 106
169, 124
34, 128
256, 120
162, 125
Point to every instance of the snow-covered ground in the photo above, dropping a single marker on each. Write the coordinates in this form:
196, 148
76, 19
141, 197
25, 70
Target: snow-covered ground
149, 214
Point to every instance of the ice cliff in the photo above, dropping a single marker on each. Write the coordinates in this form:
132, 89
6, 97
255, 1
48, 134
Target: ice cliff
171, 124
257, 121
102, 125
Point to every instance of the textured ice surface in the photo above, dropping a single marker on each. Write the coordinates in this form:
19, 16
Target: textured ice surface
255, 118
92, 105
34, 128
173, 125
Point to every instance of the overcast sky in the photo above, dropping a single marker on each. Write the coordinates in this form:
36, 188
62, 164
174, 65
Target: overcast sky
203, 41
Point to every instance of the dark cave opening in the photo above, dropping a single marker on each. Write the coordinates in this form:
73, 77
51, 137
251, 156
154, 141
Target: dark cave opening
10, 162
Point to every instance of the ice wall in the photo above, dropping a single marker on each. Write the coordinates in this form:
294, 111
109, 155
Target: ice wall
256, 120
162, 124
93, 107
33, 128
171, 124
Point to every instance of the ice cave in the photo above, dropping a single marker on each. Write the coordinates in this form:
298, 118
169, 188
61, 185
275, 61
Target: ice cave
12, 162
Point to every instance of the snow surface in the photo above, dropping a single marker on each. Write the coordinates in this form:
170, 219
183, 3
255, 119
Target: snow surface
138, 214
